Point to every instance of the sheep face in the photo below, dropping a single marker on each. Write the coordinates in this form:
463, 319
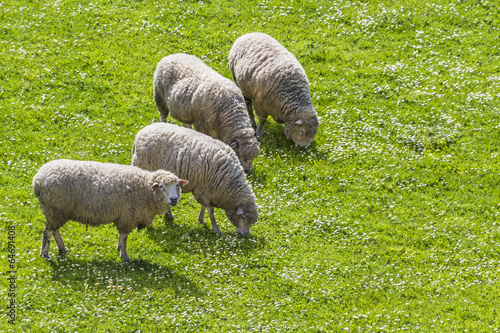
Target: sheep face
247, 149
168, 191
243, 218
302, 131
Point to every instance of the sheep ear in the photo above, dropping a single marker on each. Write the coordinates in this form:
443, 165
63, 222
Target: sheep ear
298, 122
183, 182
155, 186
234, 144
239, 211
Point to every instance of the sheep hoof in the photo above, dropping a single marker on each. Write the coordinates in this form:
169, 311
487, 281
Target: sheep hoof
169, 216
63, 252
217, 231
45, 256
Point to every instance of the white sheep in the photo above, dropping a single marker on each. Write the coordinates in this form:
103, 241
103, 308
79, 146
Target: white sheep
215, 175
95, 193
276, 82
196, 94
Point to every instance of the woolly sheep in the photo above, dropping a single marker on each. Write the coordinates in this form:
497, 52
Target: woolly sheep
95, 193
276, 82
215, 175
196, 94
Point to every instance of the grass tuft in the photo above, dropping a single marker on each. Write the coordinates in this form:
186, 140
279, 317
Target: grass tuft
389, 221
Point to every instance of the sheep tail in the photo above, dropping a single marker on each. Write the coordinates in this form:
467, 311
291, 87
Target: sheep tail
36, 187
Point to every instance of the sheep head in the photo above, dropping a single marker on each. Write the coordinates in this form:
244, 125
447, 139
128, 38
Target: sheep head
302, 130
167, 188
247, 149
243, 217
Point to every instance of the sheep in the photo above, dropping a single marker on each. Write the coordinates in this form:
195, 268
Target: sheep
276, 82
216, 178
196, 94
95, 193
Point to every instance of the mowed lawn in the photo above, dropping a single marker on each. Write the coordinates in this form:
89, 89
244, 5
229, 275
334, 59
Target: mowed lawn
388, 222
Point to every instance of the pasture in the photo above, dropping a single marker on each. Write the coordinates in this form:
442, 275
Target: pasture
388, 222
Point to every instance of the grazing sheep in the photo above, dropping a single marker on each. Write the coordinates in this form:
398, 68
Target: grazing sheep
276, 82
96, 193
215, 175
196, 94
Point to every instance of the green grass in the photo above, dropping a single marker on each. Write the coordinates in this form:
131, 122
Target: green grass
388, 222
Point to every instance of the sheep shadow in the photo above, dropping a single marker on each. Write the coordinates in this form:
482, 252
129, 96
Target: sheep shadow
194, 239
274, 141
110, 276
276, 149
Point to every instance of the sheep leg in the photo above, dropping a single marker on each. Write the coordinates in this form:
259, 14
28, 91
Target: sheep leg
161, 106
260, 129
122, 246
215, 227
248, 103
201, 215
60, 243
44, 250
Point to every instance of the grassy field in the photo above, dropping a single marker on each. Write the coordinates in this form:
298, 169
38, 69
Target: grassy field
388, 222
